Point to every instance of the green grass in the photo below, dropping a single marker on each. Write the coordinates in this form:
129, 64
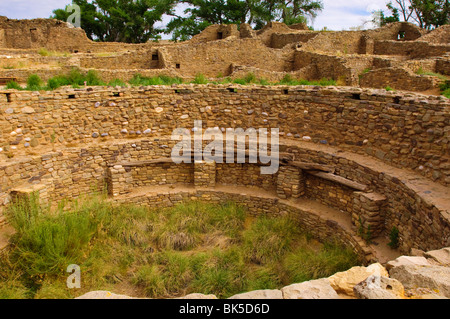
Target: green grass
13, 85
164, 253
47, 53
139, 80
77, 79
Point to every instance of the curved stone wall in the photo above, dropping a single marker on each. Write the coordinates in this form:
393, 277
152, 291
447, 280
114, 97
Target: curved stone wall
103, 139
404, 130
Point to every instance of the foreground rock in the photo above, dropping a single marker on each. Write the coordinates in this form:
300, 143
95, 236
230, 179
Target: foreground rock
103, 295
436, 278
260, 294
441, 256
198, 297
408, 261
343, 282
315, 289
379, 287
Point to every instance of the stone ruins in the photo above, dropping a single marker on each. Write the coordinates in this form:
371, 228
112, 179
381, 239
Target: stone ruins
352, 157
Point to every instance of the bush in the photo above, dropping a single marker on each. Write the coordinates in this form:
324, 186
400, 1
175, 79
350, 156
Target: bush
394, 237
200, 79
34, 83
117, 82
13, 85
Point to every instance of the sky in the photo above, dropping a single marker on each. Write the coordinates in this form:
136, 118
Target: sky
337, 14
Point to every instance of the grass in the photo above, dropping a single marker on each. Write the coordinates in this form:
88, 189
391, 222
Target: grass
74, 78
47, 53
445, 89
193, 247
77, 79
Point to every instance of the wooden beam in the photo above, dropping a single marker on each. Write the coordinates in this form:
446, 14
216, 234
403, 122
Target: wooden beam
312, 166
340, 180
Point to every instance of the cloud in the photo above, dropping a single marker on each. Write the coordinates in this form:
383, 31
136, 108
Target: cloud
344, 14
30, 9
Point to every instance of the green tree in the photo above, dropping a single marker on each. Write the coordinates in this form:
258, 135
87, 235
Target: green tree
427, 14
201, 13
130, 21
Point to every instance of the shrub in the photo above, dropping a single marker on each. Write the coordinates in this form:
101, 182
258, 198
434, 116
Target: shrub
34, 83
200, 79
117, 82
394, 238
13, 85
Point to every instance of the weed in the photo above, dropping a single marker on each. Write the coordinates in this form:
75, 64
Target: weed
394, 238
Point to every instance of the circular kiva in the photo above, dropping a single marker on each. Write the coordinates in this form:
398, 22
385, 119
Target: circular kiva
349, 159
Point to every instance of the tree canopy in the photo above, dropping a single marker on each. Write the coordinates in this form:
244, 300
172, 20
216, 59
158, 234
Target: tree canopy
134, 21
427, 14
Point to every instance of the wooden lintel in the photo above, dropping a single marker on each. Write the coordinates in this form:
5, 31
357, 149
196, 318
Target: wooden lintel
312, 166
340, 180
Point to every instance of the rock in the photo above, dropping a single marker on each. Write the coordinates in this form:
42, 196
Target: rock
307, 138
422, 293
159, 110
433, 277
95, 135
28, 110
9, 111
315, 289
379, 287
260, 294
34, 142
417, 252
407, 260
102, 295
441, 256
343, 282
147, 131
198, 296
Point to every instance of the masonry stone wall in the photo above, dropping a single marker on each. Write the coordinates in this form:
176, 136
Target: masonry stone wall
416, 49
329, 193
420, 218
402, 130
397, 78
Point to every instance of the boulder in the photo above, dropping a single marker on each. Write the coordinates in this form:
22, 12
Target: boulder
407, 260
379, 287
343, 282
436, 278
441, 256
260, 294
198, 297
314, 289
102, 295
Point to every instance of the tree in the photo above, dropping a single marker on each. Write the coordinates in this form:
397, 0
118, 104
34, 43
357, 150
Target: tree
427, 14
257, 13
130, 21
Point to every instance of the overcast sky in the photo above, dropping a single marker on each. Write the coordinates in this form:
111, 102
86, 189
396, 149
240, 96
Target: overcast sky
337, 14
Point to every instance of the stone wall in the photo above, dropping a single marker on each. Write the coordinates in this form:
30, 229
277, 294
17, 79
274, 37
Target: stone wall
399, 79
415, 50
420, 212
402, 130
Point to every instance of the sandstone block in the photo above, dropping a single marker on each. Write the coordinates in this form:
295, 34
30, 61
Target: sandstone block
260, 294
407, 260
343, 282
441, 256
315, 289
379, 287
436, 278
